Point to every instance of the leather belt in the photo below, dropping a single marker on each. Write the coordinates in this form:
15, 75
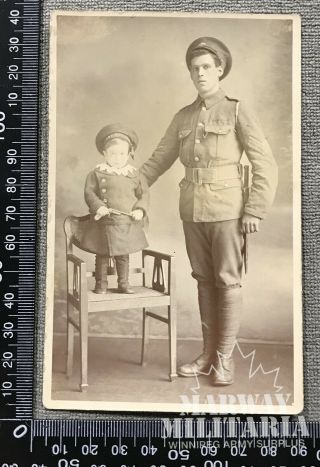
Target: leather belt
212, 174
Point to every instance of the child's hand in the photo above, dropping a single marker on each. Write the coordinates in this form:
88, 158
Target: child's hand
101, 212
137, 214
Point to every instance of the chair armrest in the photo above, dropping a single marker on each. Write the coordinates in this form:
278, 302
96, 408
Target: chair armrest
158, 254
75, 259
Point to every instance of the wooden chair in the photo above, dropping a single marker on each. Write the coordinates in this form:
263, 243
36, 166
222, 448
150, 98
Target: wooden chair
81, 301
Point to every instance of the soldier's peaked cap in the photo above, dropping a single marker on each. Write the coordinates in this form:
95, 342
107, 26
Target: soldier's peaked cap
116, 130
214, 46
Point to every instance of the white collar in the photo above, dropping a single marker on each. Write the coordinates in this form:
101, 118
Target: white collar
126, 170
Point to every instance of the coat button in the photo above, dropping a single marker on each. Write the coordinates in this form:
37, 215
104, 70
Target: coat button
197, 158
197, 141
103, 180
200, 124
103, 190
203, 108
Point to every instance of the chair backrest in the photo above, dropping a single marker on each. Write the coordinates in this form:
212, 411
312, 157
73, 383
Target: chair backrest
72, 225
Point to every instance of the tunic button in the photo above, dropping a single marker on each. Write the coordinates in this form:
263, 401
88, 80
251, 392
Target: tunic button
103, 190
103, 180
200, 124
203, 108
197, 158
197, 141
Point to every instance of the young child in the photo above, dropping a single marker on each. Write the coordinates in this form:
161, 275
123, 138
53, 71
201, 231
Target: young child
117, 198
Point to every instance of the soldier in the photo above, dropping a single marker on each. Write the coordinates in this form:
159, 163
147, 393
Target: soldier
209, 136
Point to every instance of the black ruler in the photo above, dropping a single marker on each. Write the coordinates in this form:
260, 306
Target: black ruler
19, 59
219, 442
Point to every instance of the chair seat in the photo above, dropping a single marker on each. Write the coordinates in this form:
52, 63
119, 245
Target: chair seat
113, 300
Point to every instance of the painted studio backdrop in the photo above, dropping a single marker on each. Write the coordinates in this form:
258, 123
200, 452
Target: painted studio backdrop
133, 70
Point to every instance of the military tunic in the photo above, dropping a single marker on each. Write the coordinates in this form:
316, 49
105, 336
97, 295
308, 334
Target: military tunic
214, 137
209, 139
122, 190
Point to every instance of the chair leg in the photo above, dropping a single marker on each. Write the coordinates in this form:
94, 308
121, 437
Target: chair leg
70, 346
84, 347
172, 328
145, 335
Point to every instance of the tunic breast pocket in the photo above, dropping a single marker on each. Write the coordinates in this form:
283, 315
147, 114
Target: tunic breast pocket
183, 138
217, 136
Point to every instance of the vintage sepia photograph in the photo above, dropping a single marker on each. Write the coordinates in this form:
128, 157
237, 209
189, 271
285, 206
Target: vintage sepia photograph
174, 277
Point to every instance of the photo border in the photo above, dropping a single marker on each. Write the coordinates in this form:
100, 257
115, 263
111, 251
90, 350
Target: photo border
297, 406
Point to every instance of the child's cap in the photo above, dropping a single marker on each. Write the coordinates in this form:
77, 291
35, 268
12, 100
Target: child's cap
116, 130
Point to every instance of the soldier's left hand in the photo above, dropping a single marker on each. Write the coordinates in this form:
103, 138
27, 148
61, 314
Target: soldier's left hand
137, 214
250, 224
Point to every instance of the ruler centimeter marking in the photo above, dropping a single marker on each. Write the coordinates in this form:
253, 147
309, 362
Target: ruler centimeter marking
215, 442
19, 60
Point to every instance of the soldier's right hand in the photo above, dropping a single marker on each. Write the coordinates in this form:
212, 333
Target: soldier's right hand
101, 212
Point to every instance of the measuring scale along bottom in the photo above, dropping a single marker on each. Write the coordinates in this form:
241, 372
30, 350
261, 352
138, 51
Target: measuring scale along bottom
197, 442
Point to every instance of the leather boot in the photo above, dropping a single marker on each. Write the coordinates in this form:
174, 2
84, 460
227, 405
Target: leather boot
122, 264
101, 275
202, 364
229, 312
223, 372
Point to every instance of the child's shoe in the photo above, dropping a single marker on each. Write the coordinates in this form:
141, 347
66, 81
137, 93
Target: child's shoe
101, 275
122, 263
